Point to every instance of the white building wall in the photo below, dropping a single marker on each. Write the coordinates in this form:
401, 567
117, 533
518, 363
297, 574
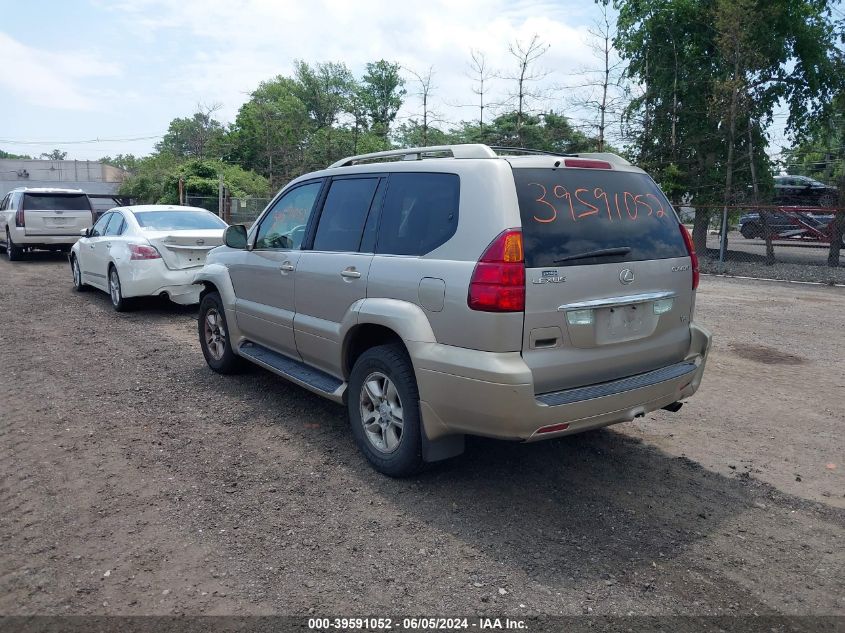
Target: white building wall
90, 176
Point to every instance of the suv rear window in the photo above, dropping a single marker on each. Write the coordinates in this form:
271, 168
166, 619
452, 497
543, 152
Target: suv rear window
568, 212
56, 202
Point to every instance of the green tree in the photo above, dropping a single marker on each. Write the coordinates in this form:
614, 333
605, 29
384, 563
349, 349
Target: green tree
325, 90
17, 156
414, 133
56, 154
156, 180
381, 94
126, 162
198, 136
271, 130
780, 51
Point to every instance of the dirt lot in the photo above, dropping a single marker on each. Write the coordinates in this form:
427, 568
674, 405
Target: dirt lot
136, 481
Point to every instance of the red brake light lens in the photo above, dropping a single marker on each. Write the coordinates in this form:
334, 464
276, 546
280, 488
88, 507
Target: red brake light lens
20, 219
587, 163
692, 256
142, 251
498, 281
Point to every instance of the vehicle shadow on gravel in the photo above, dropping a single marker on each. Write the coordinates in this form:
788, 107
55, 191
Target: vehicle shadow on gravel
42, 257
147, 308
588, 506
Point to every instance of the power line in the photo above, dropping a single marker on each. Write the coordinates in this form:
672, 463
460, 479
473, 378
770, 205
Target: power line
9, 141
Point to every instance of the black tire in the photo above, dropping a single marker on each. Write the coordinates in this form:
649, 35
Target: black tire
14, 253
225, 361
750, 231
118, 301
390, 361
828, 200
76, 272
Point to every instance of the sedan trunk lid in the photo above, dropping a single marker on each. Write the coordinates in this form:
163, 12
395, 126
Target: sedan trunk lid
184, 249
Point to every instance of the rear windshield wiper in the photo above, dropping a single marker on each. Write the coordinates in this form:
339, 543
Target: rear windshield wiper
602, 252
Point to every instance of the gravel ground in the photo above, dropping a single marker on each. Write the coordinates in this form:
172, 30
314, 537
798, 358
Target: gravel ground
779, 271
136, 481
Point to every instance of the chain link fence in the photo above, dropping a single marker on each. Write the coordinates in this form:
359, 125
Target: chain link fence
234, 210
789, 242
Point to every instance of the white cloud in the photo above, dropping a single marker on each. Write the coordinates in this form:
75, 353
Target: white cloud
235, 45
51, 79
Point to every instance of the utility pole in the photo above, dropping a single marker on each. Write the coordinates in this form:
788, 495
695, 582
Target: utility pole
220, 197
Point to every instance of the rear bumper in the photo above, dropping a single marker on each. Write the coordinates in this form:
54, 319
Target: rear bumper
496, 398
153, 277
20, 238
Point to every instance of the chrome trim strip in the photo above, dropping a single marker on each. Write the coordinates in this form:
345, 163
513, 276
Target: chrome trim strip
617, 301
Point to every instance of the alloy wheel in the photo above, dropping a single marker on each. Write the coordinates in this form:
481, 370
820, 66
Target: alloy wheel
114, 287
381, 412
77, 274
215, 334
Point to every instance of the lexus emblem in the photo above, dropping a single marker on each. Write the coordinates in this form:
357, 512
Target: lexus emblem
626, 276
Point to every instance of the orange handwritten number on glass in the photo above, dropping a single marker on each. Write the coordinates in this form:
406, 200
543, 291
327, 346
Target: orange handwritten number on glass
661, 212
599, 193
627, 195
542, 200
560, 192
593, 208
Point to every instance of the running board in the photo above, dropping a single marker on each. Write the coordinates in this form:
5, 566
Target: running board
294, 370
579, 394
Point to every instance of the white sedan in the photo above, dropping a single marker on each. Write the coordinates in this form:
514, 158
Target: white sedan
146, 250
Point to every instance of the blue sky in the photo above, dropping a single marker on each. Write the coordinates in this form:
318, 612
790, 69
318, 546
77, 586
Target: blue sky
94, 69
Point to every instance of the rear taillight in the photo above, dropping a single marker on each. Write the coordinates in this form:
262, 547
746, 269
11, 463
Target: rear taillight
498, 281
142, 251
20, 220
692, 256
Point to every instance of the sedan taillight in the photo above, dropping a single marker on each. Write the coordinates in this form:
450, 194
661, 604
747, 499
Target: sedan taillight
142, 251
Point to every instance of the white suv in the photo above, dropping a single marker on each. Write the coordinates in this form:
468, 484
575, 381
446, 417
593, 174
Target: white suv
47, 218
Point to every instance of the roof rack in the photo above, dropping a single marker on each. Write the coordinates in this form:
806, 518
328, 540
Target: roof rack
468, 150
526, 150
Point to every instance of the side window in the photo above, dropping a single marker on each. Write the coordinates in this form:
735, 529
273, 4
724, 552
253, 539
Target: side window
115, 226
284, 226
5, 204
100, 227
420, 213
344, 214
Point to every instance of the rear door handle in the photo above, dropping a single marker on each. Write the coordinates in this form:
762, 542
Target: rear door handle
350, 273
287, 267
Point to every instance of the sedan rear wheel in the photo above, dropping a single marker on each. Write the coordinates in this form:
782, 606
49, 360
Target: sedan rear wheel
77, 275
118, 301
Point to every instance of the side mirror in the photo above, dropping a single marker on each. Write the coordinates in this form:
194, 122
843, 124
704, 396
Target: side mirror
85, 232
235, 236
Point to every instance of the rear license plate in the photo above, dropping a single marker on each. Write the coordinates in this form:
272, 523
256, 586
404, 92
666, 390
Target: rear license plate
621, 323
57, 222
